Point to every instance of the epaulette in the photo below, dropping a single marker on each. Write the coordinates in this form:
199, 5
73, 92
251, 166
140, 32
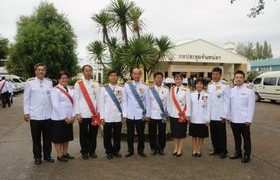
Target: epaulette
102, 85
30, 79
48, 79
129, 81
151, 86
121, 85
185, 87
211, 82
225, 83
145, 83
80, 80
250, 86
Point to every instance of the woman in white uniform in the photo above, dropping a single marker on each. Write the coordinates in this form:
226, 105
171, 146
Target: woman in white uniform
62, 117
200, 117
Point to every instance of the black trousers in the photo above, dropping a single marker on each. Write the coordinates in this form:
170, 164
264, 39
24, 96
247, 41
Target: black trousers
240, 129
157, 134
5, 97
115, 128
39, 128
140, 127
88, 134
218, 136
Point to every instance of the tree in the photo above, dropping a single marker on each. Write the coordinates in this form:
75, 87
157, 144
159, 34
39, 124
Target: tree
120, 11
45, 36
257, 10
4, 48
97, 50
137, 24
253, 53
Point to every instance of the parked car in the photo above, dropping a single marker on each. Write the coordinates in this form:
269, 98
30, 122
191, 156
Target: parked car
267, 86
18, 82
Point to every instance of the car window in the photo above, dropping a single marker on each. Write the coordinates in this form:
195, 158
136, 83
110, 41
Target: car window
16, 80
269, 81
257, 81
278, 82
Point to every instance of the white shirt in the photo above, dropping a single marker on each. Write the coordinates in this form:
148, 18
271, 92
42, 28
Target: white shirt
242, 104
131, 108
163, 93
61, 104
5, 87
10, 87
108, 110
219, 96
200, 109
184, 98
37, 98
81, 106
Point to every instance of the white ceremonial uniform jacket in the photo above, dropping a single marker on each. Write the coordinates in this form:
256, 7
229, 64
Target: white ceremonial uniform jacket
219, 97
5, 87
131, 108
81, 106
242, 104
183, 97
108, 110
163, 93
62, 107
10, 87
37, 98
200, 108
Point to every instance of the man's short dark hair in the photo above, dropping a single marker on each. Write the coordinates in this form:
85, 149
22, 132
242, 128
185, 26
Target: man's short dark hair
239, 72
87, 65
61, 73
39, 64
200, 80
178, 75
217, 69
158, 74
113, 72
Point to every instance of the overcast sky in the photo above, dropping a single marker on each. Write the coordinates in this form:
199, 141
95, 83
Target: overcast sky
216, 21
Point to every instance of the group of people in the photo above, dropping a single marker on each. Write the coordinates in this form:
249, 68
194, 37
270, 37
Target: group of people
6, 92
52, 111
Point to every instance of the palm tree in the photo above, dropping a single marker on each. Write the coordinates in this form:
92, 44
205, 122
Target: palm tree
136, 23
97, 49
120, 11
164, 46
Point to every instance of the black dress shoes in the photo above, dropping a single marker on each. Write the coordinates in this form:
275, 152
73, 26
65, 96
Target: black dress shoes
161, 152
62, 159
118, 155
179, 155
236, 156
93, 155
142, 154
223, 155
67, 156
129, 154
198, 154
213, 153
49, 159
85, 156
194, 154
153, 152
174, 153
38, 161
246, 159
109, 156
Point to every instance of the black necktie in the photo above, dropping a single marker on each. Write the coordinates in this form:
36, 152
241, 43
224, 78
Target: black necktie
198, 96
177, 90
65, 87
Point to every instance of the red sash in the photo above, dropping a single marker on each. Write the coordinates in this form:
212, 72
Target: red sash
178, 107
66, 93
3, 85
96, 117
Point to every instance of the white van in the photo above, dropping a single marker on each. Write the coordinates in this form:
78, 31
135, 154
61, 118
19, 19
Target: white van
267, 86
18, 82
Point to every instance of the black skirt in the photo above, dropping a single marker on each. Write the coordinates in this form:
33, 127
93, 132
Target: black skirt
61, 132
198, 130
178, 129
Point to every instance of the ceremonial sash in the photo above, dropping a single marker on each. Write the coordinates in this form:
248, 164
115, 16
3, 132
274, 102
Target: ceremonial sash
66, 94
96, 117
113, 97
182, 116
137, 98
164, 113
3, 86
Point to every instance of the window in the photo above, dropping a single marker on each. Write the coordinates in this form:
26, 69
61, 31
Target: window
257, 81
269, 81
16, 80
278, 82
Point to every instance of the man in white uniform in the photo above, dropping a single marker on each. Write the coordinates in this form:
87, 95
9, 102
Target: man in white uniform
136, 110
84, 114
242, 108
37, 111
111, 114
219, 100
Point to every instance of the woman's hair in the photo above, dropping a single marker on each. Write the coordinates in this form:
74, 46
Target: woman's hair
199, 80
61, 73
